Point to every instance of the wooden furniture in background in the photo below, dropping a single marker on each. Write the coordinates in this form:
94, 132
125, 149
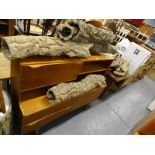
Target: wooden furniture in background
122, 34
7, 27
4, 67
135, 22
145, 126
114, 82
2, 104
37, 27
32, 78
146, 29
135, 39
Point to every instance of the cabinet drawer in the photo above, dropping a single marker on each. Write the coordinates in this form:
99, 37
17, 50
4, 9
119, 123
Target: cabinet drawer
39, 75
90, 67
38, 111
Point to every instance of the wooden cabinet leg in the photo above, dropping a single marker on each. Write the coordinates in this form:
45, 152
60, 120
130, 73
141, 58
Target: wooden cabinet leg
87, 106
37, 131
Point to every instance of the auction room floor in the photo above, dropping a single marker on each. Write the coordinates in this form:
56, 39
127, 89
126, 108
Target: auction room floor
117, 113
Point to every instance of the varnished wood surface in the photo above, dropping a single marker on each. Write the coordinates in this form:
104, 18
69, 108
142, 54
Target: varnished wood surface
11, 29
5, 63
32, 76
37, 72
39, 111
45, 59
4, 67
2, 104
146, 126
35, 76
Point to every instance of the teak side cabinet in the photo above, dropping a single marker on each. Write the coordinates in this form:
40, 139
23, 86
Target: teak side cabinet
33, 76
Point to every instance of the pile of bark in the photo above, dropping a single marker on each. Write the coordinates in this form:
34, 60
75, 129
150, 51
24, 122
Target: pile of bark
74, 39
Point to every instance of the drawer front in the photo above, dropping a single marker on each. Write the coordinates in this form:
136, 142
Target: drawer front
86, 98
36, 76
53, 112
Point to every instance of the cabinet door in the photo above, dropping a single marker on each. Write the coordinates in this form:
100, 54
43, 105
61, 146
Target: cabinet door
39, 75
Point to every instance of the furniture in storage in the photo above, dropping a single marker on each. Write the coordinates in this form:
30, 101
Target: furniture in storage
37, 27
115, 82
146, 126
34, 75
2, 104
7, 27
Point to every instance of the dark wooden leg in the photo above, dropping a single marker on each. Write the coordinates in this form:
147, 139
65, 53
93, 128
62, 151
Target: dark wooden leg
37, 131
87, 106
57, 23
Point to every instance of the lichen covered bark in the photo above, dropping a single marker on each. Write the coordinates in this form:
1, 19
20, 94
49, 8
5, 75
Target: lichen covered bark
80, 31
19, 47
65, 91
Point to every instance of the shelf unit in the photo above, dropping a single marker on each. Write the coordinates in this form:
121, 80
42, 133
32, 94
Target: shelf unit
32, 78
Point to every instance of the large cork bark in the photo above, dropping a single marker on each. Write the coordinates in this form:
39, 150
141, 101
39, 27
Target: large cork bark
99, 48
76, 39
80, 31
18, 47
65, 91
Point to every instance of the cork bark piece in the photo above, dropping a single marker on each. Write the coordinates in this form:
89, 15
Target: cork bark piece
19, 47
103, 48
65, 91
80, 31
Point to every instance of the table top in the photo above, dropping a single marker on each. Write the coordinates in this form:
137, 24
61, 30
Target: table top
5, 64
4, 67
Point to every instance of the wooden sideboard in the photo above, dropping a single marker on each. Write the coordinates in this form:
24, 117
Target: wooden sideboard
34, 75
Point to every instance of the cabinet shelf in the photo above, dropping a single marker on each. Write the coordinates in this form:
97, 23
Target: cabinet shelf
37, 110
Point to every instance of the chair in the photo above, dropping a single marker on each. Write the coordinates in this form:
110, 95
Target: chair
121, 34
37, 27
